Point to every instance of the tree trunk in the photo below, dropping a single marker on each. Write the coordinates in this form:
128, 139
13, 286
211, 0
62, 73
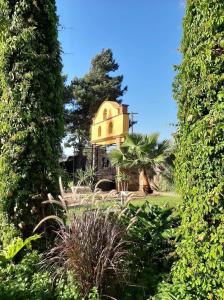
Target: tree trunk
144, 185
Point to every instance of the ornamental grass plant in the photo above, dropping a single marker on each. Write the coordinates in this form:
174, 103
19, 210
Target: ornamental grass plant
94, 249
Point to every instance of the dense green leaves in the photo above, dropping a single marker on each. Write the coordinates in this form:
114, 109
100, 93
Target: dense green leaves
25, 280
15, 246
151, 231
199, 91
31, 111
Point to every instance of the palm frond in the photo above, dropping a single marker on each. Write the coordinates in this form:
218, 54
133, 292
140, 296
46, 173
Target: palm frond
117, 157
141, 151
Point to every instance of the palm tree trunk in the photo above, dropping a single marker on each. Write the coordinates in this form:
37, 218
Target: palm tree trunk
144, 185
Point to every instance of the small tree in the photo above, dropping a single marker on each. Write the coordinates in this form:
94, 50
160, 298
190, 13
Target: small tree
143, 152
31, 110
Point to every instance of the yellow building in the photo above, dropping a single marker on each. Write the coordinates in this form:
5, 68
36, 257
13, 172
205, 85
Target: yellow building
110, 124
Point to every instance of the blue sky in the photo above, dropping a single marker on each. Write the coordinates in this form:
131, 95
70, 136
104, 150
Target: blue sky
144, 36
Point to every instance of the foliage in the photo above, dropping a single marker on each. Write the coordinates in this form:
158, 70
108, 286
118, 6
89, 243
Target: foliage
122, 176
199, 92
15, 246
162, 185
168, 291
17, 280
143, 152
151, 232
139, 150
86, 177
7, 231
65, 178
20, 274
83, 246
122, 179
164, 180
31, 108
88, 93
94, 249
24, 280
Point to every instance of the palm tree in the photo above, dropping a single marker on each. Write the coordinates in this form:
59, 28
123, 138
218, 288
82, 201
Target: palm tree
143, 152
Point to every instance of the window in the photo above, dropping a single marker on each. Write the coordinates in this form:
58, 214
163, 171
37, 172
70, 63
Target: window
105, 114
110, 128
99, 131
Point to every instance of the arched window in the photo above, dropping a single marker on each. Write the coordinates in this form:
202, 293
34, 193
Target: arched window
105, 114
99, 131
110, 128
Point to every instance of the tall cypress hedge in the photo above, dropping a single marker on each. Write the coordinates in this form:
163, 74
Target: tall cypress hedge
31, 112
199, 92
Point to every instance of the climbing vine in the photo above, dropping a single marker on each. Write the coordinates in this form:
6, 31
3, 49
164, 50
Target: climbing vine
31, 115
199, 92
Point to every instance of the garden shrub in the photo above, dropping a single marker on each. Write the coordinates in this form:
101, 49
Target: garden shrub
24, 280
199, 91
151, 232
21, 276
169, 291
21, 281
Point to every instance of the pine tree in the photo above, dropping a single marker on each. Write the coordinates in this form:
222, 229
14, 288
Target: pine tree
86, 95
199, 91
31, 108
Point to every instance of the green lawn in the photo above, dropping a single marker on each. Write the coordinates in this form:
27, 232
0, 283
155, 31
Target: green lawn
169, 200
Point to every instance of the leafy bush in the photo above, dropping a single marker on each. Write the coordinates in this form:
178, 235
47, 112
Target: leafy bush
25, 281
7, 231
15, 246
21, 281
20, 275
151, 231
168, 291
94, 249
